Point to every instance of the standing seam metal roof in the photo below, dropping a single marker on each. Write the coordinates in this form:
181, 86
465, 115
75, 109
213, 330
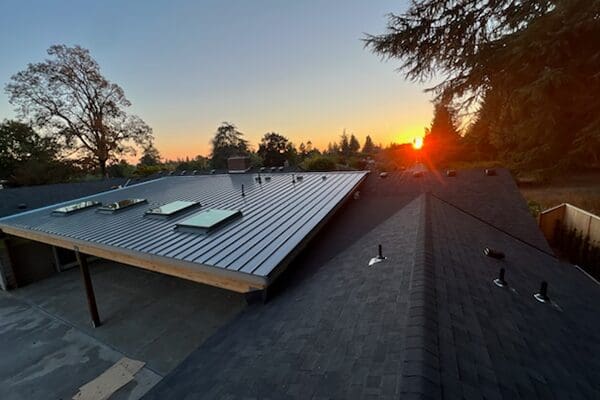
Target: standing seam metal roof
277, 216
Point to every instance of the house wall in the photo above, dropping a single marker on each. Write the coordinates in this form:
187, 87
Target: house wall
28, 262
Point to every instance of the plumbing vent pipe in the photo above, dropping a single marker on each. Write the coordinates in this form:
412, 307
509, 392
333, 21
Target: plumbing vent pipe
377, 259
499, 281
498, 255
383, 175
451, 173
542, 296
490, 172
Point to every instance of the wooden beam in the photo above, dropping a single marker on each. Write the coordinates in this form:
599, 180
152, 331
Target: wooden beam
89, 288
214, 276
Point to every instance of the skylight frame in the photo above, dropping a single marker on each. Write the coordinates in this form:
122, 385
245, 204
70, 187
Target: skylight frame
176, 207
120, 205
75, 207
203, 223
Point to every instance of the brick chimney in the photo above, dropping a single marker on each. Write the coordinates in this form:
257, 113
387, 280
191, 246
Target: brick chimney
238, 164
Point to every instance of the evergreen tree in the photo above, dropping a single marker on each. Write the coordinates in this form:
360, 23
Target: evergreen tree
227, 142
354, 146
369, 146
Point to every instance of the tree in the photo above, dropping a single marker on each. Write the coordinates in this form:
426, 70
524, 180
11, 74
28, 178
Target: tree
151, 156
227, 142
74, 103
530, 66
353, 146
26, 158
369, 146
275, 149
344, 146
442, 139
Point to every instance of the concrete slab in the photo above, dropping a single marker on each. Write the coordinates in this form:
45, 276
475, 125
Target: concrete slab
48, 348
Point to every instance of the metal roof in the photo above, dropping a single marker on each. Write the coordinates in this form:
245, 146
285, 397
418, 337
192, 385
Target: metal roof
278, 215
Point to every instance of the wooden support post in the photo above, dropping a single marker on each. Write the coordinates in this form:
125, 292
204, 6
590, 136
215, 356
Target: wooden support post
89, 289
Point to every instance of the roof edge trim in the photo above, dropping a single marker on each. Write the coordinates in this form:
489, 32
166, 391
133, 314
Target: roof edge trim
231, 280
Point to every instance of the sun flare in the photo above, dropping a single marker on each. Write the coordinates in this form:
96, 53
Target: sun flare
417, 143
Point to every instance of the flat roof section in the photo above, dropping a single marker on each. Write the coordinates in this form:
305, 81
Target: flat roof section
279, 216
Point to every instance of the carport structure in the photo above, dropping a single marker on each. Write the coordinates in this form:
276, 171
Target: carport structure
236, 232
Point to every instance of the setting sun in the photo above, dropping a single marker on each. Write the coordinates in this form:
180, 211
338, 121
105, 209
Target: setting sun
417, 143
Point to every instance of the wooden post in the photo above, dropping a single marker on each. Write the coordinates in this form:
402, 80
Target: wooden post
89, 289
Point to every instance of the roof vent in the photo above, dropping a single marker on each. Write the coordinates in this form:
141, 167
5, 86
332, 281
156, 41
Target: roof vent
22, 206
267, 179
490, 172
212, 171
383, 175
280, 169
417, 174
258, 179
499, 281
299, 178
542, 296
451, 173
498, 255
273, 169
195, 172
171, 173
323, 177
378, 259
183, 172
262, 169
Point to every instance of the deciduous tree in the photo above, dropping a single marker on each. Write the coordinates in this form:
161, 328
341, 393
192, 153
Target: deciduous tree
68, 97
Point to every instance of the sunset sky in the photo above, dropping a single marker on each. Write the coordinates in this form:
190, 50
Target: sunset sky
294, 67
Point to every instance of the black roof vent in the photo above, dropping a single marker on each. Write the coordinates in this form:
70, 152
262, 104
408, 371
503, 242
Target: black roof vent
498, 255
417, 174
499, 281
22, 206
383, 175
280, 169
299, 177
273, 169
267, 178
262, 169
377, 259
195, 172
542, 296
183, 172
451, 173
490, 172
212, 171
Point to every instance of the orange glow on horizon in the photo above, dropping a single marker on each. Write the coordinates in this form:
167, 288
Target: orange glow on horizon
417, 143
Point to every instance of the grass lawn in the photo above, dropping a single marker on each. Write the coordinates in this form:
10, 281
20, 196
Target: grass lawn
581, 190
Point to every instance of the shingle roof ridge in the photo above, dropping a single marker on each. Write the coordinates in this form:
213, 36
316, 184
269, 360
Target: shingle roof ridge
421, 367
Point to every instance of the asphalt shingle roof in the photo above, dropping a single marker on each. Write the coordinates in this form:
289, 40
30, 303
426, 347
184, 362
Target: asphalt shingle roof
427, 323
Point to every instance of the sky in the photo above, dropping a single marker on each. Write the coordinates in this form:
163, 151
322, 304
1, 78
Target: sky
298, 68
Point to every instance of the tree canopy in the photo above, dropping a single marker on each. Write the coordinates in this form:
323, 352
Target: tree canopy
227, 142
68, 97
275, 149
530, 69
28, 158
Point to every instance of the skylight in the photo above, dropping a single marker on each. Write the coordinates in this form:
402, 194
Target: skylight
170, 209
71, 208
120, 205
207, 221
